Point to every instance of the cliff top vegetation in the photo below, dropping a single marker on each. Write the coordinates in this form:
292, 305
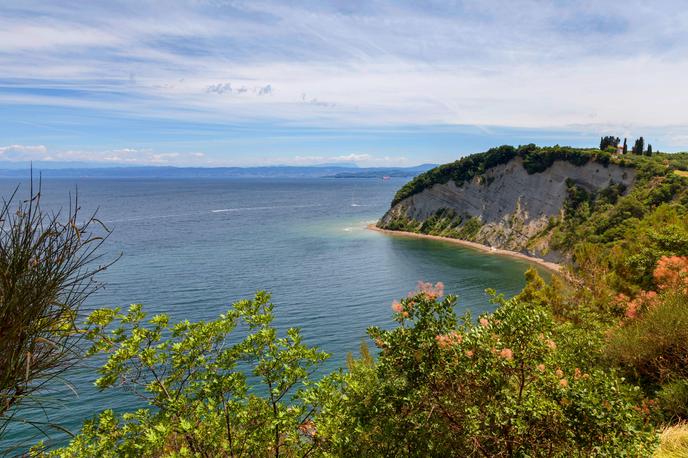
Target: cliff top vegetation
536, 159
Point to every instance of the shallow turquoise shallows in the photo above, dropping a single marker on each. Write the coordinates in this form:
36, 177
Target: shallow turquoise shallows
192, 247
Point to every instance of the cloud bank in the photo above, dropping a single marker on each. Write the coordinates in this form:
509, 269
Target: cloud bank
602, 65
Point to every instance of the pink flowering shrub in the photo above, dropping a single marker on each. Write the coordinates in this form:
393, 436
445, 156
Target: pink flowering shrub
652, 340
651, 343
505, 385
642, 302
672, 272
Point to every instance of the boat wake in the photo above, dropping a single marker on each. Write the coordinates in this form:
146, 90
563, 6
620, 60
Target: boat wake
273, 207
221, 210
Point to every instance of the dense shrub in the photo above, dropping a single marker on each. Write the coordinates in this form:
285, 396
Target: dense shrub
504, 386
652, 341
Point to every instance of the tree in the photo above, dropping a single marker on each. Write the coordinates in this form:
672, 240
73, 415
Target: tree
47, 268
625, 147
649, 150
639, 146
609, 141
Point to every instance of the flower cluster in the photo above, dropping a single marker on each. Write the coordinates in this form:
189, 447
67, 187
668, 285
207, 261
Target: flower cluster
671, 272
507, 354
448, 340
430, 290
645, 300
402, 309
552, 345
397, 307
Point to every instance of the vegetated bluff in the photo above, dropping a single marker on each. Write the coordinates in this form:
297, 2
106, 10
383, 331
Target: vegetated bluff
509, 198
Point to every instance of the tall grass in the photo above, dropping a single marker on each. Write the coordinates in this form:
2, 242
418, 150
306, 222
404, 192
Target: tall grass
673, 442
48, 260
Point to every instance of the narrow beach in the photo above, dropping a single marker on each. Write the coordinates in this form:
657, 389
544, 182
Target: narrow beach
551, 266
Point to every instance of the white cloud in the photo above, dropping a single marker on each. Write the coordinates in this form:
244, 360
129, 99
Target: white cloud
145, 156
523, 63
127, 156
23, 152
360, 159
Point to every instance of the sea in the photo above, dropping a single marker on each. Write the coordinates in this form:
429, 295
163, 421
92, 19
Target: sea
191, 247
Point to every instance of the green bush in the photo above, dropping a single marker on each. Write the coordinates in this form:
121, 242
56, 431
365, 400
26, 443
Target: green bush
500, 387
673, 399
197, 386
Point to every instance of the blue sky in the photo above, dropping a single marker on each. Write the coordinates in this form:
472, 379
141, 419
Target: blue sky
214, 82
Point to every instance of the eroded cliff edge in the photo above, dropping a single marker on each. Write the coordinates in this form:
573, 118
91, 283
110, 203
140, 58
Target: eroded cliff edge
511, 205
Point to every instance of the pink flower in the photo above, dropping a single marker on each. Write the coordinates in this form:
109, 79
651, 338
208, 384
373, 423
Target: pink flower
507, 354
439, 289
430, 290
564, 383
672, 272
645, 300
484, 322
632, 309
469, 353
442, 341
559, 373
541, 367
455, 337
445, 341
397, 307
551, 344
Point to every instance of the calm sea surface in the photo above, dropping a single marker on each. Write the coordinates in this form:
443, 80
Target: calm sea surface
192, 247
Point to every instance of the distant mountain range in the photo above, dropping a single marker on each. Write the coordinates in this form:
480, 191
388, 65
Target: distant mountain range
316, 171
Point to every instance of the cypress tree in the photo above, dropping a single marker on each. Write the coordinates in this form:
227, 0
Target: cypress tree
625, 147
649, 150
606, 142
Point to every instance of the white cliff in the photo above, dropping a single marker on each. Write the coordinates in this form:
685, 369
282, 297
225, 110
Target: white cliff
512, 206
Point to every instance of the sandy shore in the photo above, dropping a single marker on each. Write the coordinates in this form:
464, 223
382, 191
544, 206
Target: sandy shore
551, 266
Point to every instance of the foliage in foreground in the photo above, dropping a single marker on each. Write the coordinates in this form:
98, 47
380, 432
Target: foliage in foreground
210, 393
47, 268
512, 384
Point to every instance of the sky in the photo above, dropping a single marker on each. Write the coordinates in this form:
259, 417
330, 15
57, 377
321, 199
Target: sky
376, 83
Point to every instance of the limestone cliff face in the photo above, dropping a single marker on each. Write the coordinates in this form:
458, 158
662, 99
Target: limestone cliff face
509, 206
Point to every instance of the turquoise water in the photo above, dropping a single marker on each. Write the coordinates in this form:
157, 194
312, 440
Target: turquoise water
192, 247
